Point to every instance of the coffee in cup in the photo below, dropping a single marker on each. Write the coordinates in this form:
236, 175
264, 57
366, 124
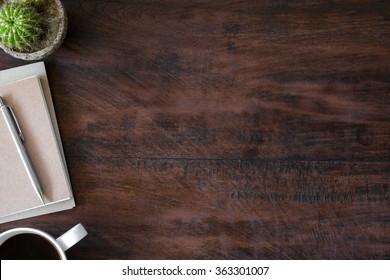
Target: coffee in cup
34, 244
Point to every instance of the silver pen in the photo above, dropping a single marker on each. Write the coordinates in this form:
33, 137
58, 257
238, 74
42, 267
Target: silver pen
17, 137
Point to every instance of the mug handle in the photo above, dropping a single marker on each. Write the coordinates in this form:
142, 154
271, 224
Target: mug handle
71, 237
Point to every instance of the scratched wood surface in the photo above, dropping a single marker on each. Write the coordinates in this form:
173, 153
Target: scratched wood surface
225, 129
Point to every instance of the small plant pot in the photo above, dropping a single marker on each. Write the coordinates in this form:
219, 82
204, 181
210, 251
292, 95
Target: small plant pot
55, 35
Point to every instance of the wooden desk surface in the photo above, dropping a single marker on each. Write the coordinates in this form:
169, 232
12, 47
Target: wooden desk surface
224, 129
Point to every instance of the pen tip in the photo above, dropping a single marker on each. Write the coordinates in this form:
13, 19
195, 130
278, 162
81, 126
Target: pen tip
42, 200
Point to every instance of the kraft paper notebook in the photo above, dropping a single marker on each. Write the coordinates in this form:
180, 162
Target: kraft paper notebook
26, 90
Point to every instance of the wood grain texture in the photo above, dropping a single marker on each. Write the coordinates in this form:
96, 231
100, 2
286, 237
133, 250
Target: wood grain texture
225, 129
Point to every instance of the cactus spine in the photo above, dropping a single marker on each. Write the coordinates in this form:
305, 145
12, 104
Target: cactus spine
20, 26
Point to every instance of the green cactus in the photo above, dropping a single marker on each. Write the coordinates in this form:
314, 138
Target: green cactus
20, 27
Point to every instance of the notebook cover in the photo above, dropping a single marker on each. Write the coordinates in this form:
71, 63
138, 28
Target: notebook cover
34, 110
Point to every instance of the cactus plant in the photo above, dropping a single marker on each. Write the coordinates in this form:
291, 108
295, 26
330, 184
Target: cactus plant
20, 26
32, 29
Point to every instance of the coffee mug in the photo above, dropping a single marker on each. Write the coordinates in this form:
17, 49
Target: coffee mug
31, 243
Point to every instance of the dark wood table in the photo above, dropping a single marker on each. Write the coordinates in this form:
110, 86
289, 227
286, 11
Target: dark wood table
224, 129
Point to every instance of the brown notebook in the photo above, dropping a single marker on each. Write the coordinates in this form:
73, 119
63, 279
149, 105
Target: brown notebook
18, 199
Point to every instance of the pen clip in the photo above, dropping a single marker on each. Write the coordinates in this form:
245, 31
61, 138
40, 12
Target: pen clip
16, 123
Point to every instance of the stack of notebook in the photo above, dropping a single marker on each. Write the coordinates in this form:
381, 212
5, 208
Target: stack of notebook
26, 90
